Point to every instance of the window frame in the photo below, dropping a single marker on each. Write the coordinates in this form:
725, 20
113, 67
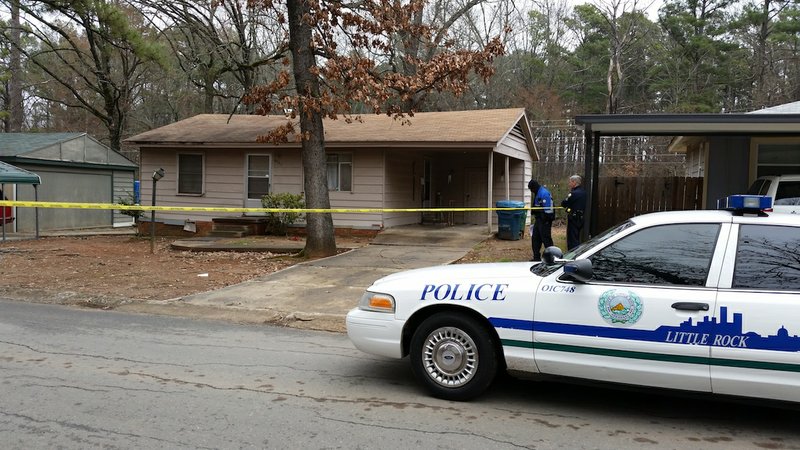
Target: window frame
339, 164
247, 174
755, 153
202, 174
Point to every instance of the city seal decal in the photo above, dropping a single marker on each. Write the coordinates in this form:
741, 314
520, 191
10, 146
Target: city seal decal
620, 306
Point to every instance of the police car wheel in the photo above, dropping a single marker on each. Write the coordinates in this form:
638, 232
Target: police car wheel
453, 356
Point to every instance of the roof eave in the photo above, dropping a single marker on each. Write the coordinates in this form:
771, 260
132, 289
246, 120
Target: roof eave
690, 124
328, 144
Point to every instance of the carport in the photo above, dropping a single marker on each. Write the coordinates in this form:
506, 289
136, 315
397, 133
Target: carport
14, 175
731, 145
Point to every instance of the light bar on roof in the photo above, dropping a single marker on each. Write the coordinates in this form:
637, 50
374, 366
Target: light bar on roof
745, 203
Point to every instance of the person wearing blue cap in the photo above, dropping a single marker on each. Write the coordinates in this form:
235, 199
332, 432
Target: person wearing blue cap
543, 215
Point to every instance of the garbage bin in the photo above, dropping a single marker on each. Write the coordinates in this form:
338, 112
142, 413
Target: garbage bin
510, 224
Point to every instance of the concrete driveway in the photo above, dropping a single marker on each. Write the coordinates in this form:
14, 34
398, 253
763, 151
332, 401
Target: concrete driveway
326, 289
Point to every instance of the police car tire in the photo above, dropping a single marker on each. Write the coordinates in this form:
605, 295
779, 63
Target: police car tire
453, 356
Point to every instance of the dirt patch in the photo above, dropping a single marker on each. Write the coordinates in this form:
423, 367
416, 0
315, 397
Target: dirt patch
112, 271
499, 250
102, 271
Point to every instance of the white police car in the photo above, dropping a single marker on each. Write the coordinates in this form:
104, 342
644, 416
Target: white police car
692, 300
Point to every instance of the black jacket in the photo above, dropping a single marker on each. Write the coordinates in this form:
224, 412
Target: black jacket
575, 203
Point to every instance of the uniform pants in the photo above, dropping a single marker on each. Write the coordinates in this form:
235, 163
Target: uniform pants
574, 227
541, 235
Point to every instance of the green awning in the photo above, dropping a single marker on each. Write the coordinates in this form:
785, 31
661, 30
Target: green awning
15, 175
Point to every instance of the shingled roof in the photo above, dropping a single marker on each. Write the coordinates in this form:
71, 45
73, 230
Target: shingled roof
477, 127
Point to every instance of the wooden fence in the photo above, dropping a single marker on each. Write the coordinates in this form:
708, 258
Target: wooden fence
621, 198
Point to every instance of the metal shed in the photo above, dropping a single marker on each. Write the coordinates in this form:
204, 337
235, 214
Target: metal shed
73, 167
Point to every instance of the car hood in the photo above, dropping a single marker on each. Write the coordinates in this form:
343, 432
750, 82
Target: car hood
459, 272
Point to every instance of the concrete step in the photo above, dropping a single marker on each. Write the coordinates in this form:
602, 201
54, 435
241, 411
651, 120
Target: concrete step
230, 227
245, 225
228, 233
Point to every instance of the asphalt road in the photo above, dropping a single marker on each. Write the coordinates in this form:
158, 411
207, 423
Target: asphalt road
72, 378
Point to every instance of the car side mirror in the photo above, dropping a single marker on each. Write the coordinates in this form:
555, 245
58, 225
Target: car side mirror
579, 270
551, 254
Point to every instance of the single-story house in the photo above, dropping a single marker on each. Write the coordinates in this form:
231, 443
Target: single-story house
728, 150
437, 159
73, 167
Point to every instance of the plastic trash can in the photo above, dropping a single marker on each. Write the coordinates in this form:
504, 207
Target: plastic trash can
510, 223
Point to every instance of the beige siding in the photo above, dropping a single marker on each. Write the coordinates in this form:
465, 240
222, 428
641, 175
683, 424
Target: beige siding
123, 190
224, 181
367, 192
287, 171
519, 174
464, 191
695, 160
514, 146
403, 189
381, 179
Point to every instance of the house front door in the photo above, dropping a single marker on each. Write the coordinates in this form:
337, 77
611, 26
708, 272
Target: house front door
475, 195
257, 179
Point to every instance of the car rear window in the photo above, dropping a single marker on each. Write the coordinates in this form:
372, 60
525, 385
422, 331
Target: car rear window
759, 187
788, 193
768, 257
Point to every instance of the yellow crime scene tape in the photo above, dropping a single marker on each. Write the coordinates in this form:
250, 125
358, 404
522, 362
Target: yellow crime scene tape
121, 207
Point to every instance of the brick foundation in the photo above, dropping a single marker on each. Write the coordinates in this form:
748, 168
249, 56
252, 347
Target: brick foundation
204, 229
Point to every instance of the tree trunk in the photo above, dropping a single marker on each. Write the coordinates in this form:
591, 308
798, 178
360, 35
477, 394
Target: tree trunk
15, 83
320, 239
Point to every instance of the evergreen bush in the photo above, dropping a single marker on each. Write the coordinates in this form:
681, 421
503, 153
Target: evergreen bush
278, 223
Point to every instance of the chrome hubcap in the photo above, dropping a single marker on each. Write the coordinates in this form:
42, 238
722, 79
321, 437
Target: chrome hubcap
450, 357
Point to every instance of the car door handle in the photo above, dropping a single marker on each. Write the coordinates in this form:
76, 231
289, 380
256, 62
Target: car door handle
690, 306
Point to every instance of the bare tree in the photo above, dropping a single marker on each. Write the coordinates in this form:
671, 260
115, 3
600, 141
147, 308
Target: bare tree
212, 40
94, 52
344, 54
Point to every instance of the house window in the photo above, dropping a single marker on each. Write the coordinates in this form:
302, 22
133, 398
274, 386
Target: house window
190, 174
778, 159
257, 176
340, 172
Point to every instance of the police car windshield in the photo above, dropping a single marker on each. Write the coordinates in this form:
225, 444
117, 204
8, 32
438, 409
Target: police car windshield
591, 243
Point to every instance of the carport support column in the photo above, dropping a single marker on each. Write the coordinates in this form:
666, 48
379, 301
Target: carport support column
592, 176
507, 178
489, 191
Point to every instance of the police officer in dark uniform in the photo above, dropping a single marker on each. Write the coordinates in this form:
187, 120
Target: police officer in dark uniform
543, 216
575, 205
